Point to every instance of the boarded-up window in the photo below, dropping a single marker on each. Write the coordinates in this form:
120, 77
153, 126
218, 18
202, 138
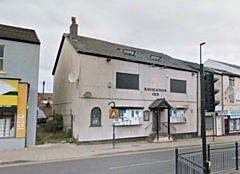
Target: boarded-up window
127, 81
178, 86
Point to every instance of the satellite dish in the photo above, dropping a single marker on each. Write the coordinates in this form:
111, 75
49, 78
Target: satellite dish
72, 77
87, 94
229, 90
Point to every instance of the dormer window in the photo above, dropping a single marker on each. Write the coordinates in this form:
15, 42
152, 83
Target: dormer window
152, 57
128, 52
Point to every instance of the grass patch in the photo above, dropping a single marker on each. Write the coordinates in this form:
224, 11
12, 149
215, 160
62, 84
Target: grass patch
45, 136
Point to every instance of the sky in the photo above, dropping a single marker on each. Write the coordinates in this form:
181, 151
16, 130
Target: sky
172, 27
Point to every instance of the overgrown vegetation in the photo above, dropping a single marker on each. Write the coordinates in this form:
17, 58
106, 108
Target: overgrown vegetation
52, 132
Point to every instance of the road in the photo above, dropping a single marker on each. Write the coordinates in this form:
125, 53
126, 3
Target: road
159, 162
152, 162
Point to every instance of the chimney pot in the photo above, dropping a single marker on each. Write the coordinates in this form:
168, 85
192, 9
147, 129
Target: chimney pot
73, 20
74, 29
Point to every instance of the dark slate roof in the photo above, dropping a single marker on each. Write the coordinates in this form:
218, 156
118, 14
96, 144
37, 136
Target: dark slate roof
90, 46
160, 103
18, 34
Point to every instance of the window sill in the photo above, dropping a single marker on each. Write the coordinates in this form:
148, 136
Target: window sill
119, 125
96, 126
178, 122
3, 72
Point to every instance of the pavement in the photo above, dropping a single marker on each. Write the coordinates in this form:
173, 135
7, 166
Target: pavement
68, 151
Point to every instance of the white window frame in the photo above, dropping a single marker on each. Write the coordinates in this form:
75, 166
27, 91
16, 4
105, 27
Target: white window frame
231, 81
96, 118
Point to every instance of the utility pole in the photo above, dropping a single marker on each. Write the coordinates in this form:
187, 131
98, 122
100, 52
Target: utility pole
43, 93
203, 127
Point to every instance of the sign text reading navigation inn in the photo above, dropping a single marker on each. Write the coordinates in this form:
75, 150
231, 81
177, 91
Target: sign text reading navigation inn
155, 89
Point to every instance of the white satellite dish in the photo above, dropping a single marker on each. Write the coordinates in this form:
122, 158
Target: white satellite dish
72, 77
229, 90
87, 94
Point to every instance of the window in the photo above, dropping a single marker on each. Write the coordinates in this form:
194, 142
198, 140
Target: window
96, 117
178, 86
231, 98
152, 57
127, 81
7, 123
209, 122
231, 81
128, 52
1, 57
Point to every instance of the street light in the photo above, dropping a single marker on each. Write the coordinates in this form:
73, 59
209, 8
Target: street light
203, 126
201, 44
43, 92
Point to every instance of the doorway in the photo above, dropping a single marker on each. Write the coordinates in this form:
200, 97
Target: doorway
226, 123
156, 118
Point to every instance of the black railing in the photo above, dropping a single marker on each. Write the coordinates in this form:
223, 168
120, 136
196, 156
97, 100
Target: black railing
187, 165
218, 159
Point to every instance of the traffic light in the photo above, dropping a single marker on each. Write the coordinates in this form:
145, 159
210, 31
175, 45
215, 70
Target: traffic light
210, 92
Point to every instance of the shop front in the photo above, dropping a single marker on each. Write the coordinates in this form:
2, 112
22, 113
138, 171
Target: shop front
13, 109
232, 122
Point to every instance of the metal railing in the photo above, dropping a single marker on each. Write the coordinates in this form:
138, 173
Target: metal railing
223, 158
189, 163
164, 126
218, 159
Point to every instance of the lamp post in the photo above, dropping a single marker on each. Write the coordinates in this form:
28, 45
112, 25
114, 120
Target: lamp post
43, 93
203, 126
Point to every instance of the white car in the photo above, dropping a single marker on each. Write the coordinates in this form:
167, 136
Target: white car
41, 117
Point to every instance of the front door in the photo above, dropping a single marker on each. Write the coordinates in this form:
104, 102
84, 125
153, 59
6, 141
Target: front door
156, 116
219, 125
226, 121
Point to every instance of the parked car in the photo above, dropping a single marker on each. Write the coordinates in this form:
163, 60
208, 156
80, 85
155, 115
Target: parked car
41, 117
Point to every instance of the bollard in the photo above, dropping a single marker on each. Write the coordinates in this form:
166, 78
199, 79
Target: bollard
208, 167
236, 144
176, 160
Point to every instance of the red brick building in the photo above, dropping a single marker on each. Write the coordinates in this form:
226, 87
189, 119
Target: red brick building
45, 103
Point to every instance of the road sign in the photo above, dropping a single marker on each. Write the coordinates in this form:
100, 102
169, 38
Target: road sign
113, 113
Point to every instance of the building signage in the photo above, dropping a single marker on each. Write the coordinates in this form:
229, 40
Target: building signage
113, 113
232, 112
218, 108
178, 116
8, 92
129, 116
155, 91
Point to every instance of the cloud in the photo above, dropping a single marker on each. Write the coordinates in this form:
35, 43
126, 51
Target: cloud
172, 27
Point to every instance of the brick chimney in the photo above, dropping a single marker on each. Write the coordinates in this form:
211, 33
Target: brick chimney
74, 29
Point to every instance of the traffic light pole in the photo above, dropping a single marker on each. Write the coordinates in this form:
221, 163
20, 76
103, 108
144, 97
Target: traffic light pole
203, 127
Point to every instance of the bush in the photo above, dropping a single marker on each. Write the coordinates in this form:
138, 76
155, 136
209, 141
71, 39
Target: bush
71, 140
57, 123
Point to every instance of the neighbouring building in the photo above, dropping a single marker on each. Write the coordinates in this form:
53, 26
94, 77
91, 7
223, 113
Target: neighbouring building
45, 101
230, 107
145, 88
19, 68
